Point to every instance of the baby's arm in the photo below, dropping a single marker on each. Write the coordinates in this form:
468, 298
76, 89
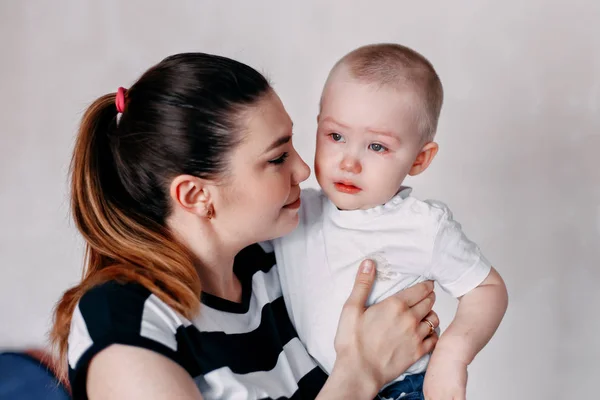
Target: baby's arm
478, 315
460, 268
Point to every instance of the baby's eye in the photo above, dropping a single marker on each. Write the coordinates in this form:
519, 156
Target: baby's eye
336, 137
376, 147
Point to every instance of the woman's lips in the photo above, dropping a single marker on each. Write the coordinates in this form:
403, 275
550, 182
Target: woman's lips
346, 187
294, 205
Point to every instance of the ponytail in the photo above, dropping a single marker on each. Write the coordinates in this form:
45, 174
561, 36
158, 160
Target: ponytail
121, 245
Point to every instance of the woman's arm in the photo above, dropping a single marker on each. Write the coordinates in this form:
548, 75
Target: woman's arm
126, 372
377, 344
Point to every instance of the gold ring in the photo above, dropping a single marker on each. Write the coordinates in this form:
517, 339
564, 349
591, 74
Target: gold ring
431, 327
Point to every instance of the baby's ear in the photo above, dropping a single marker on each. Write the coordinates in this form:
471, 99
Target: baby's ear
424, 158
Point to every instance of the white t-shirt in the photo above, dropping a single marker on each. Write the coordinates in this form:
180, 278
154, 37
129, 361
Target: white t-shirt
410, 240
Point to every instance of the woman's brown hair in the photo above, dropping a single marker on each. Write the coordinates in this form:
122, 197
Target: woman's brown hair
179, 118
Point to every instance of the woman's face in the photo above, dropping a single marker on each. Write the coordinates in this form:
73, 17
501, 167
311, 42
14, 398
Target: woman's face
260, 195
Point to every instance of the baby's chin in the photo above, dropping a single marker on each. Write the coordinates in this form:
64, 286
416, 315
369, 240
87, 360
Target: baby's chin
347, 202
350, 202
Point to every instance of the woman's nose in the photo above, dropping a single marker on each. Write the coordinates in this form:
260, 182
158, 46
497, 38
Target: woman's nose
301, 171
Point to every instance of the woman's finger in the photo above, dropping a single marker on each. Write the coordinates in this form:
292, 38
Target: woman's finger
424, 328
422, 308
362, 284
429, 344
416, 293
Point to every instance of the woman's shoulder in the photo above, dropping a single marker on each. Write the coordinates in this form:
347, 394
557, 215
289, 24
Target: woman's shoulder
111, 306
118, 309
115, 294
121, 313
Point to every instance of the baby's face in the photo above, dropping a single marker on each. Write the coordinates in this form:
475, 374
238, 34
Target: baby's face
367, 142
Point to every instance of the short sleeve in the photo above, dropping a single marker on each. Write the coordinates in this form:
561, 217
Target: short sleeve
114, 313
457, 264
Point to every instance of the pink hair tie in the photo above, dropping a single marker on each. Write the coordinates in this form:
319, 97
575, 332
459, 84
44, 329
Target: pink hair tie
120, 100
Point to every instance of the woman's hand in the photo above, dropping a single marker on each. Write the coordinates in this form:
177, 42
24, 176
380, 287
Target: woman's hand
375, 345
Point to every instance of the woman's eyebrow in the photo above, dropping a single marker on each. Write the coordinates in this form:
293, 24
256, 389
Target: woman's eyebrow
279, 142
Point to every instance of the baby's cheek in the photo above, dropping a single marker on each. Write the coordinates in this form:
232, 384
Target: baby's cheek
321, 162
328, 155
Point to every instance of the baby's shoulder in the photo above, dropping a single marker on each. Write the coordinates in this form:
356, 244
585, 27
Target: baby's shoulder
421, 221
427, 211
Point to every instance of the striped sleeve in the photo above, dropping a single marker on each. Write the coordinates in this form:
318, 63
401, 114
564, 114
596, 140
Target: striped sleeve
114, 313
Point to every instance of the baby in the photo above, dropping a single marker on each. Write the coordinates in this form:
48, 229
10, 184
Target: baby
378, 118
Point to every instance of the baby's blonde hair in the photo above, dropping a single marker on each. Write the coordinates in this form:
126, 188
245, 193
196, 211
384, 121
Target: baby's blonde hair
398, 66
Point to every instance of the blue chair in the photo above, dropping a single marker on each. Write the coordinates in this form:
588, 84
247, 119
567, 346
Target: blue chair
25, 377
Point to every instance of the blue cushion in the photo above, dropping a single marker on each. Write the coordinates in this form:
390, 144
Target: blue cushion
24, 378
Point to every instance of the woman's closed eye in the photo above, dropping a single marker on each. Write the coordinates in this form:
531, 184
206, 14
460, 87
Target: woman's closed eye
281, 159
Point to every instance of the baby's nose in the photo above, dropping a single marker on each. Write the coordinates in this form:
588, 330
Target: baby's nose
351, 164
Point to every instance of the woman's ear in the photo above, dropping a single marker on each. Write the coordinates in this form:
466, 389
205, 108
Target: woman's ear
424, 158
192, 195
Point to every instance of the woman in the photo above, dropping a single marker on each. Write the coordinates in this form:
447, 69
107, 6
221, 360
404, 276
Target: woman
173, 183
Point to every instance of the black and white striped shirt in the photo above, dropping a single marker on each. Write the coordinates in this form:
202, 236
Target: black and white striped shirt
246, 350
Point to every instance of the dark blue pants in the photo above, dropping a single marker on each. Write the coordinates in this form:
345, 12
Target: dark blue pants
410, 388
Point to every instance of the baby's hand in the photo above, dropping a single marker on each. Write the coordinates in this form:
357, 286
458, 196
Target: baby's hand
445, 380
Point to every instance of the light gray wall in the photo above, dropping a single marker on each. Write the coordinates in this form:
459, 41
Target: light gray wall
519, 137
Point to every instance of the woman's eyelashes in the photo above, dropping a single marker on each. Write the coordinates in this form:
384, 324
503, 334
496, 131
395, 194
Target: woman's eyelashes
281, 159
